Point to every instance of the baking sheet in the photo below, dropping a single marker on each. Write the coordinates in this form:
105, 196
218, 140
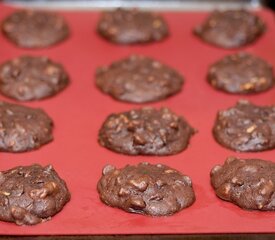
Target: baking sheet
79, 111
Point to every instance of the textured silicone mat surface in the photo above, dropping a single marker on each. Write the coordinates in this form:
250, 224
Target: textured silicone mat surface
79, 111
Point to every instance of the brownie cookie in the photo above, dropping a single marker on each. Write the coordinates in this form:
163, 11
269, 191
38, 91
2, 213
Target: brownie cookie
248, 183
35, 29
246, 127
32, 194
231, 28
241, 73
155, 190
138, 79
22, 128
145, 131
32, 78
124, 26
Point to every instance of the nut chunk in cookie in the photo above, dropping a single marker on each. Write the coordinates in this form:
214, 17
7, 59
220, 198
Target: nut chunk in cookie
31, 194
130, 26
231, 28
23, 128
146, 131
248, 183
155, 190
246, 127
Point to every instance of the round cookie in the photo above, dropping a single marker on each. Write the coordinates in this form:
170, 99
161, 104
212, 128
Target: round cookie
32, 78
231, 28
241, 73
31, 194
155, 190
145, 131
22, 128
248, 183
246, 127
124, 26
35, 29
138, 79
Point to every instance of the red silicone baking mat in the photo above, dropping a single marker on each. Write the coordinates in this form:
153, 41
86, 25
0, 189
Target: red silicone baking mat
79, 111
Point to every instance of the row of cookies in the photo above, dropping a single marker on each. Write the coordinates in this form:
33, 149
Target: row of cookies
244, 127
136, 79
39, 29
146, 131
32, 194
158, 190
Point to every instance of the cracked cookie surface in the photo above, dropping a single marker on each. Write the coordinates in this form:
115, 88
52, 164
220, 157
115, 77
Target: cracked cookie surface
31, 194
248, 183
155, 190
146, 131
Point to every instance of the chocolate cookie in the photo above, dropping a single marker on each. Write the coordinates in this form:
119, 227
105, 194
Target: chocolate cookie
35, 29
246, 127
231, 28
145, 131
155, 190
132, 26
138, 79
32, 194
241, 73
32, 78
22, 128
248, 183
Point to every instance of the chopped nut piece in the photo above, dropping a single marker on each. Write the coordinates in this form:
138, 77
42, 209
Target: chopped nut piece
5, 193
248, 86
140, 185
157, 24
251, 129
169, 171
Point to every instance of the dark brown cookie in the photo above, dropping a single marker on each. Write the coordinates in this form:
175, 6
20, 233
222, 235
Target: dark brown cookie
155, 190
32, 194
231, 28
32, 78
124, 26
246, 127
138, 79
248, 183
145, 131
241, 73
22, 128
35, 29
